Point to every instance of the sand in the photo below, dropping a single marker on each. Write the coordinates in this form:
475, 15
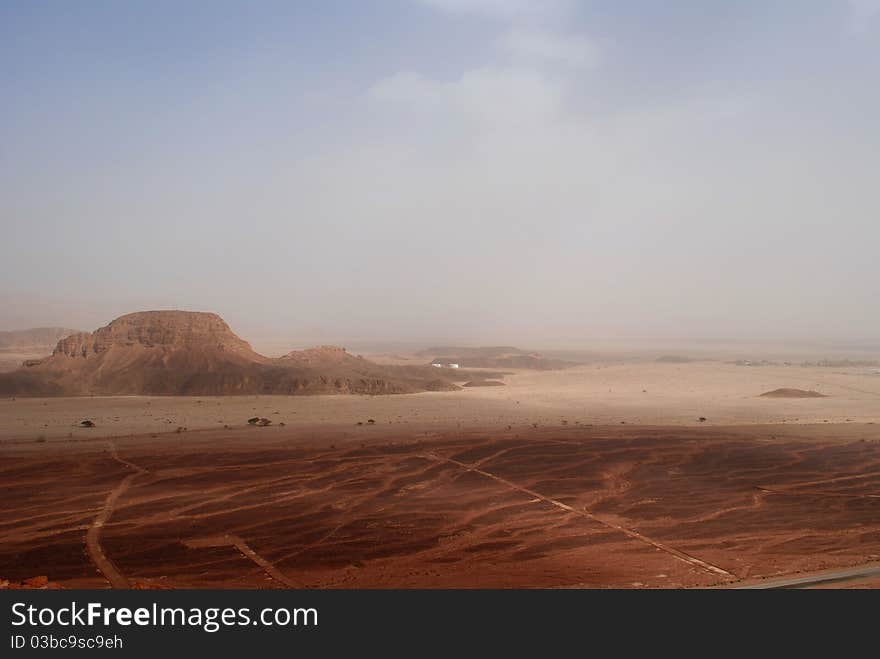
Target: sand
644, 393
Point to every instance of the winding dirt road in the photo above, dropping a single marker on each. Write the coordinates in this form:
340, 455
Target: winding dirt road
93, 535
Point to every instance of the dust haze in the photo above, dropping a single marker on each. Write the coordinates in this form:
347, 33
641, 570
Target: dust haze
565, 176
440, 294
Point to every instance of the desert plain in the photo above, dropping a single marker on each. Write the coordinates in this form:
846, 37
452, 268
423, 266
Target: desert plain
624, 474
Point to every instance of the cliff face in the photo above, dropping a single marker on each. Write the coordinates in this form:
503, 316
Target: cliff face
149, 352
170, 330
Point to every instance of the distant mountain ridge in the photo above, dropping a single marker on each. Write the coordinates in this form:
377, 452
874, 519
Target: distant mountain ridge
196, 353
19, 346
492, 357
35, 336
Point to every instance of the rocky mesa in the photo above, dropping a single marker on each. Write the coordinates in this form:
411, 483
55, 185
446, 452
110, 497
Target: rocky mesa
193, 353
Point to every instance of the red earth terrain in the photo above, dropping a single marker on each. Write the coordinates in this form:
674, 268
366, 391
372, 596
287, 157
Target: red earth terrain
365, 507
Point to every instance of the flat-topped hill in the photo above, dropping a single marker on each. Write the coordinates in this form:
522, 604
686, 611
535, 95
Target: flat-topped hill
197, 353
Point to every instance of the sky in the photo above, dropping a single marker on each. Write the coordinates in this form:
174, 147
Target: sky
487, 171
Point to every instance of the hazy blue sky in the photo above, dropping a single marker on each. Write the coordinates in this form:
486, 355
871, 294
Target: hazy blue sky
486, 170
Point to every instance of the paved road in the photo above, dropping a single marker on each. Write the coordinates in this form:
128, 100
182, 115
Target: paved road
818, 578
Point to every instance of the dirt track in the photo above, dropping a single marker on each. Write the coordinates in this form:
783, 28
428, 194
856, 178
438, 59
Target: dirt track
93, 535
565, 506
592, 516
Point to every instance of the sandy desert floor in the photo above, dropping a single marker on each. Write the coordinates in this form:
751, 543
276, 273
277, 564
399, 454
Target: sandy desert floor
634, 393
536, 484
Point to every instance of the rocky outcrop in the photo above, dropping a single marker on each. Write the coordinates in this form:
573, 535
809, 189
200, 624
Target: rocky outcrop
196, 353
172, 330
321, 355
